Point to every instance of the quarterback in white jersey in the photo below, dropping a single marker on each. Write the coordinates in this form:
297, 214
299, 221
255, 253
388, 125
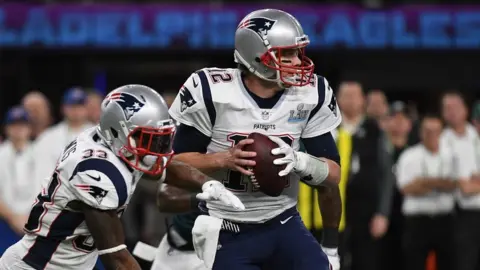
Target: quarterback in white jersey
274, 92
75, 218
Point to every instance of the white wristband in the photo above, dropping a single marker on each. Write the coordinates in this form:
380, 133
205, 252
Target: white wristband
313, 171
111, 250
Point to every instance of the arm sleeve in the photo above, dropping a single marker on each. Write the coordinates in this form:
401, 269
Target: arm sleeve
190, 139
387, 184
322, 146
193, 105
99, 184
408, 168
325, 116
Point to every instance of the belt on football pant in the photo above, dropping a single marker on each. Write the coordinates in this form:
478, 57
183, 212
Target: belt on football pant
237, 227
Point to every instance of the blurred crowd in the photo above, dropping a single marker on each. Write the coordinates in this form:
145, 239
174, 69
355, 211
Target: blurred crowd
410, 183
31, 145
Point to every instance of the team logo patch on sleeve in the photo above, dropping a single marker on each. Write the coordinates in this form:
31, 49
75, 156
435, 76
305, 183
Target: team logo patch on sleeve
186, 99
96, 192
260, 25
333, 105
130, 104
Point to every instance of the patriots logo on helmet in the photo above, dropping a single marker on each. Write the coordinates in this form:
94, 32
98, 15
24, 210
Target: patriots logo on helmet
259, 25
96, 192
186, 99
129, 103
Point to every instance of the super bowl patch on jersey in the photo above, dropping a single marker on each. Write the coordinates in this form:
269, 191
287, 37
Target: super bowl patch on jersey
298, 115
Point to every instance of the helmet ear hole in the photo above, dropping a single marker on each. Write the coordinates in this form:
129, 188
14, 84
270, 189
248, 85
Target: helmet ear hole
114, 133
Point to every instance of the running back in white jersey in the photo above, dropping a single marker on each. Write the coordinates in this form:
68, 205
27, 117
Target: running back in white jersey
216, 103
56, 234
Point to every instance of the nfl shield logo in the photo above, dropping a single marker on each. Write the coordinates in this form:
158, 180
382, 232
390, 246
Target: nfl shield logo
265, 115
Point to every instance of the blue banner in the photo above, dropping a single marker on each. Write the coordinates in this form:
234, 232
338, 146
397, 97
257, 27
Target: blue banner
175, 26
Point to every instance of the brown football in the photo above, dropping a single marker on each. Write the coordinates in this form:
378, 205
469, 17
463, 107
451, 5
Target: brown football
265, 174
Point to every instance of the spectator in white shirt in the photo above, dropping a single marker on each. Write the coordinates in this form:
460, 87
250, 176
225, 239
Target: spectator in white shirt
51, 142
425, 177
462, 138
18, 188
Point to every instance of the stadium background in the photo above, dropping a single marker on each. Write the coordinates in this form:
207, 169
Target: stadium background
411, 52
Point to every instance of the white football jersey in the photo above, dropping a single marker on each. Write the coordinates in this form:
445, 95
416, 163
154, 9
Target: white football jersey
57, 236
216, 103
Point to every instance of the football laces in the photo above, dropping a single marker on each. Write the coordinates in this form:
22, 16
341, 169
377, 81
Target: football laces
253, 179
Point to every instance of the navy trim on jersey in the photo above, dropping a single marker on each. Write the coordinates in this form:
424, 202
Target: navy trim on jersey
321, 96
322, 146
110, 170
42, 250
264, 103
207, 96
189, 139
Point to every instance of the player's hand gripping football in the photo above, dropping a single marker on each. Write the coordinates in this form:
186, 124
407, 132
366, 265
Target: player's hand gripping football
215, 191
292, 160
236, 159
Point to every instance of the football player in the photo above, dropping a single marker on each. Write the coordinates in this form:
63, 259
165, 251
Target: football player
273, 91
176, 249
75, 218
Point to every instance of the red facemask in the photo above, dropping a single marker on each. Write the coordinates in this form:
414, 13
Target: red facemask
302, 73
153, 142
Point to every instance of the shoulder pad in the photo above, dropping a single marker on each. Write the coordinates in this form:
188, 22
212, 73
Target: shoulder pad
99, 183
194, 105
95, 175
325, 116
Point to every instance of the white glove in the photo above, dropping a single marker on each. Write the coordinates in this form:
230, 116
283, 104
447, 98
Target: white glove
291, 158
215, 191
333, 258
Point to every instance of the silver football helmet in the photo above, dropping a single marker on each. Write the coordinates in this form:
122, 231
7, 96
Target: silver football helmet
259, 41
137, 127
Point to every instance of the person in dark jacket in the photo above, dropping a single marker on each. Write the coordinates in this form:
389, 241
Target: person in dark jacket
397, 128
369, 187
